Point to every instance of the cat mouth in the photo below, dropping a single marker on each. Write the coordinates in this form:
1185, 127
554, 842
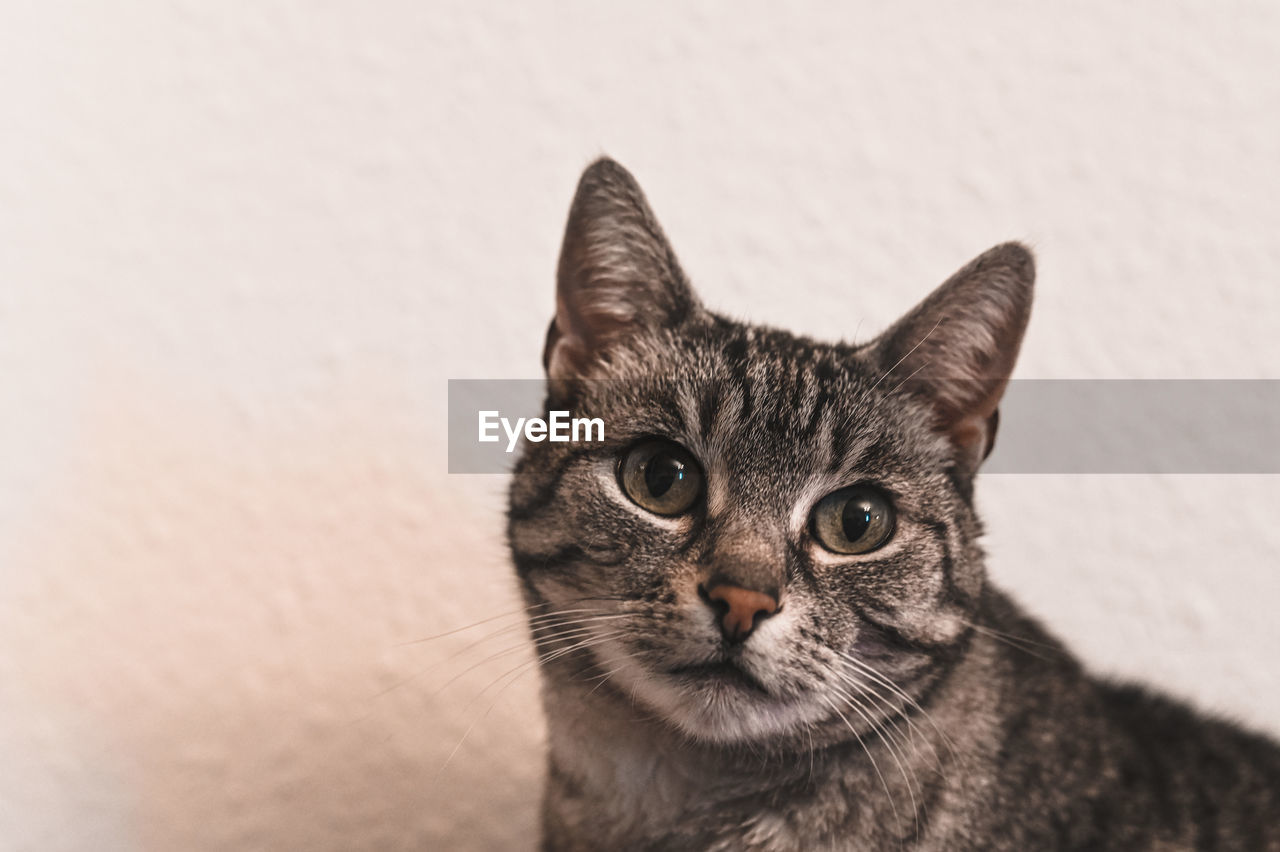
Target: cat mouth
724, 672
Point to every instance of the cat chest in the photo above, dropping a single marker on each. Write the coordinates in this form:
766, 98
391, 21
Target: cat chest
641, 801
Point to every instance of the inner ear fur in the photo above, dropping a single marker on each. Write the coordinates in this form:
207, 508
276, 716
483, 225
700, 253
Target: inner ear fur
617, 277
957, 348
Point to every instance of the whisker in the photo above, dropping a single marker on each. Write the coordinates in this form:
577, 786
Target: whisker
899, 385
586, 619
894, 713
512, 614
809, 730
908, 355
893, 687
519, 671
893, 750
545, 623
550, 620
573, 632
883, 783
551, 656
603, 678
508, 614
1018, 642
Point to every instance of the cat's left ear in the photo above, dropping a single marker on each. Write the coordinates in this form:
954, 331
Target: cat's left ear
957, 348
618, 278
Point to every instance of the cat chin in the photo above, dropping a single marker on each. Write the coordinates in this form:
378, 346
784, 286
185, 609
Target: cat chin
720, 711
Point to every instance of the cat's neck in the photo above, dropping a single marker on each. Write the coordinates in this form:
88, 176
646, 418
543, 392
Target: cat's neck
613, 765
616, 767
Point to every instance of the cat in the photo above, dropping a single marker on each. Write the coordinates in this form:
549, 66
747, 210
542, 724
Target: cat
760, 604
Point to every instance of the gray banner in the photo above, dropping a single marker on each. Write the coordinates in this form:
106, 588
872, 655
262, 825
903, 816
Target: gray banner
468, 398
1046, 426
1138, 426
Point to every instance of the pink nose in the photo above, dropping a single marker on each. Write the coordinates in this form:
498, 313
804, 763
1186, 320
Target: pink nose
740, 609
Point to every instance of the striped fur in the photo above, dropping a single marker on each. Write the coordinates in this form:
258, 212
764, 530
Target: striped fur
896, 700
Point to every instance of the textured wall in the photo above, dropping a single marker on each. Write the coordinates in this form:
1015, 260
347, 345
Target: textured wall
243, 245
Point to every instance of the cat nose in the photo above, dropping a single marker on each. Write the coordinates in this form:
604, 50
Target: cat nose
739, 609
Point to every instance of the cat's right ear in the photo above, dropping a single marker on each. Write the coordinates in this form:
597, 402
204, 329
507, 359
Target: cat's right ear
957, 348
618, 277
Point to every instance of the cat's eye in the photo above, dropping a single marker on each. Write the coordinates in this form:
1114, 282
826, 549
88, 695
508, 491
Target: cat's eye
857, 519
661, 476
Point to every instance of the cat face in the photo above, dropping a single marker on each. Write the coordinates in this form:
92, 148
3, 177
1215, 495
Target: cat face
776, 533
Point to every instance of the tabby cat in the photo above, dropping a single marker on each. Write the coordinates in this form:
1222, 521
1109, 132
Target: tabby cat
760, 603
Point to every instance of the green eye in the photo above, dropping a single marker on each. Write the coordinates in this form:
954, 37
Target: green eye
857, 519
661, 476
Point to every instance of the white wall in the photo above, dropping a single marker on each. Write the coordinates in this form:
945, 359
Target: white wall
244, 244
